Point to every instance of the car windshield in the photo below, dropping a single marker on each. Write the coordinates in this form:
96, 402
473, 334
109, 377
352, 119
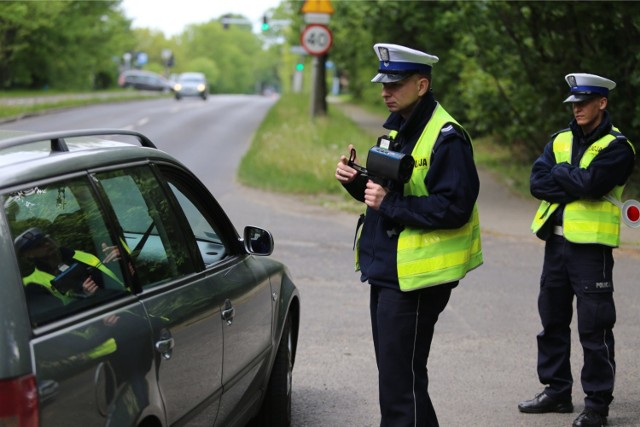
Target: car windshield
191, 79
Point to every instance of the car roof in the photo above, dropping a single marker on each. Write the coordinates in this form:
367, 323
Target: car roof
30, 157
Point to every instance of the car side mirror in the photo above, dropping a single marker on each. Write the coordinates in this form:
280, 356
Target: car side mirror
257, 241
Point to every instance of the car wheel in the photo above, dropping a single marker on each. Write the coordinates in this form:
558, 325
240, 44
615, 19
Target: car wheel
276, 408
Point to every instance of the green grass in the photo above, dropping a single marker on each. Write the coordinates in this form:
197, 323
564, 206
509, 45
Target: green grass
297, 154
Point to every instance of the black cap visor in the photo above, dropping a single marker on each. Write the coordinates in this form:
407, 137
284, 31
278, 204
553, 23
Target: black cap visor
580, 97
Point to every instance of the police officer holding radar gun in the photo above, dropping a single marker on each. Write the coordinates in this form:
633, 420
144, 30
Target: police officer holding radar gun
420, 234
579, 178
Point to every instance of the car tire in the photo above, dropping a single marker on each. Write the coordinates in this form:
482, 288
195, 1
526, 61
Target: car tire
276, 408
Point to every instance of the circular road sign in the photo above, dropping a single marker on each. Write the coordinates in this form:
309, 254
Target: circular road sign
316, 39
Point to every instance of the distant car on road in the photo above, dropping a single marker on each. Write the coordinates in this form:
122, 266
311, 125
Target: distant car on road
143, 80
191, 84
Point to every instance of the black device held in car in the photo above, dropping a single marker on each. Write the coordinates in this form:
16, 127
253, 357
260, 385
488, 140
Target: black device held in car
385, 163
72, 278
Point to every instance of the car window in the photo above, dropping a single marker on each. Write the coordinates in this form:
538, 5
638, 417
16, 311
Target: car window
210, 245
69, 261
191, 79
151, 232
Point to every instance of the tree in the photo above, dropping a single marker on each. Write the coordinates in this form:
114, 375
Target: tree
59, 44
531, 46
236, 53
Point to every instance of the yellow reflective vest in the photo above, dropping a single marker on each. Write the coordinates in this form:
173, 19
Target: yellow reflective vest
584, 221
433, 257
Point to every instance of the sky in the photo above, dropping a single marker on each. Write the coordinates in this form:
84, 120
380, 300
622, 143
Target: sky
171, 16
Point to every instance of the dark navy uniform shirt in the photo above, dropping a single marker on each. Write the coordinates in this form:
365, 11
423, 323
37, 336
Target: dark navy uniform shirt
453, 186
564, 183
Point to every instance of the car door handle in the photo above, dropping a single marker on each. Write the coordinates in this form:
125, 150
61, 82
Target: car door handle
228, 312
165, 348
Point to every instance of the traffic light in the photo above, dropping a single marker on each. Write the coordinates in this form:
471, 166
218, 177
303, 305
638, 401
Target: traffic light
265, 23
299, 66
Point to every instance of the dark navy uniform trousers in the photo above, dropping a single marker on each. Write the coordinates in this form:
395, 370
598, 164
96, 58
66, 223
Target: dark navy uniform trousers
402, 325
583, 270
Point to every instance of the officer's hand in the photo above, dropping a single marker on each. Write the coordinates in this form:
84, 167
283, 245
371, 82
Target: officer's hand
112, 253
89, 286
374, 194
345, 173
110, 320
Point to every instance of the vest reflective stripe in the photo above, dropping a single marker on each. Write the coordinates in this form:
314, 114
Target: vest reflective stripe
584, 221
94, 261
125, 246
461, 252
434, 257
107, 347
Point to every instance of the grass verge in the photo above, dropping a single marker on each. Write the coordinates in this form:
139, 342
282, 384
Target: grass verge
296, 154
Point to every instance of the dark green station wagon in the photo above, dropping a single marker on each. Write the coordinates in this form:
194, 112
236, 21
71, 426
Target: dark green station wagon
127, 298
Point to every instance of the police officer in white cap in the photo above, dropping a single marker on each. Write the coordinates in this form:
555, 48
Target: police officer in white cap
411, 228
579, 167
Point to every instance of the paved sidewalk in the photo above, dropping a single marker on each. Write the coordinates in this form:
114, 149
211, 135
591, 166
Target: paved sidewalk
502, 211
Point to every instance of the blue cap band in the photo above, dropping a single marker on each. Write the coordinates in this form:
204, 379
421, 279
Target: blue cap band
587, 89
399, 67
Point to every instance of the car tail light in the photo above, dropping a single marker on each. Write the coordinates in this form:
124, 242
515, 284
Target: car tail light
19, 402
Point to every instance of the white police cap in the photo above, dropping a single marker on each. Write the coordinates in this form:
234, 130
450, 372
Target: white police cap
398, 62
585, 86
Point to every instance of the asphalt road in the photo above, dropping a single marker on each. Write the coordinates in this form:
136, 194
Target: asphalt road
483, 356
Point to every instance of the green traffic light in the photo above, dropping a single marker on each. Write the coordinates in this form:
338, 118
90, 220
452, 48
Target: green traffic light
299, 67
265, 27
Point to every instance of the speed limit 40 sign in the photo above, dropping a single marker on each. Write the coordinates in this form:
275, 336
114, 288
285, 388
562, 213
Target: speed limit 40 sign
316, 39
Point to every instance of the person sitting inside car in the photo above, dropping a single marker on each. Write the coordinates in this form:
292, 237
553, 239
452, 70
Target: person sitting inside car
66, 274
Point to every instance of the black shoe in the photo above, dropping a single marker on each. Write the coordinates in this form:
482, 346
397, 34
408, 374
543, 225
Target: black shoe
590, 418
543, 403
